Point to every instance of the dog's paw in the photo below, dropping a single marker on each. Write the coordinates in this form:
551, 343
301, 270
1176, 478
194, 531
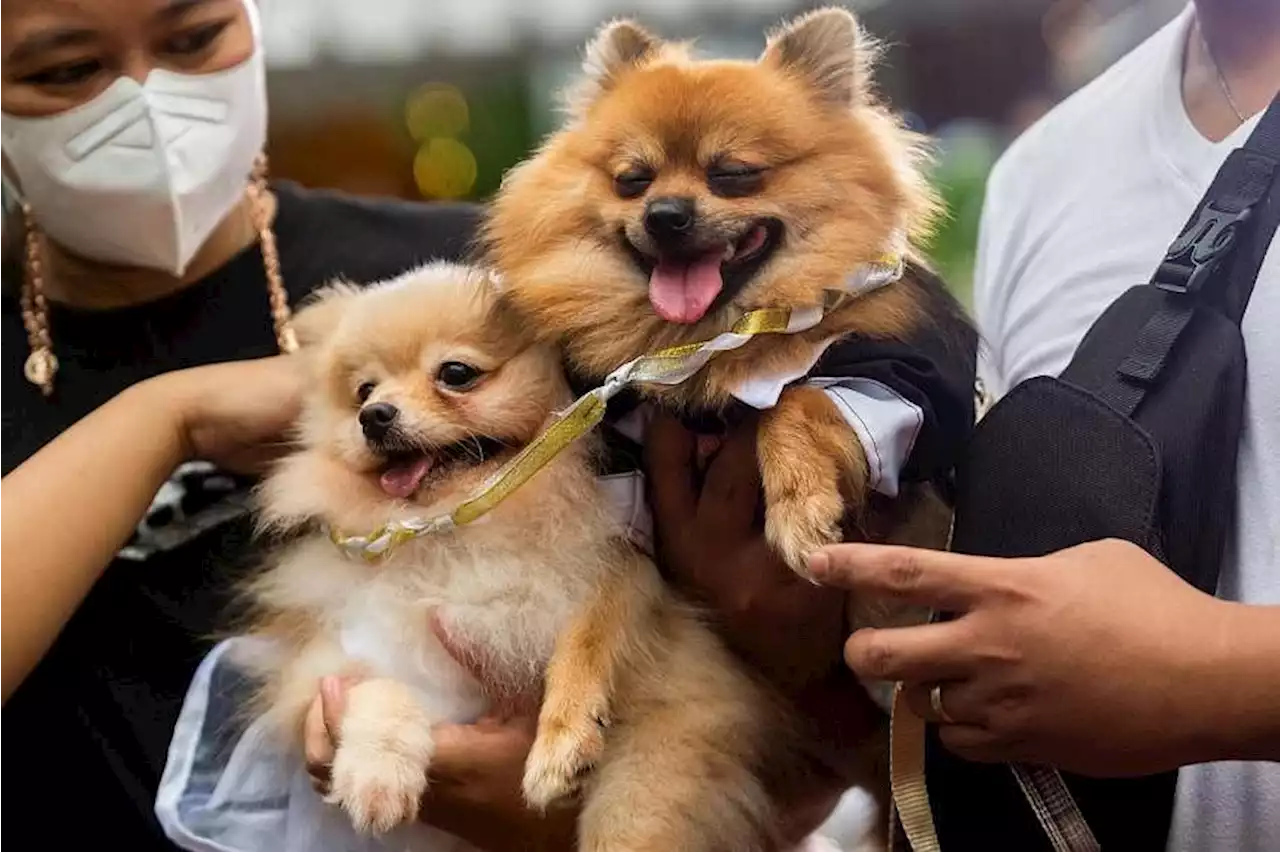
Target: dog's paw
810, 463
570, 741
796, 526
380, 787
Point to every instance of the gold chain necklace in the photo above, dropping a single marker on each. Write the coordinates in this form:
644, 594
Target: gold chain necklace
1222, 80
42, 364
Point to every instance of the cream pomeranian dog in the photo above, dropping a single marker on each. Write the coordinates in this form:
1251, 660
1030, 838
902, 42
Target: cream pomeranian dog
423, 387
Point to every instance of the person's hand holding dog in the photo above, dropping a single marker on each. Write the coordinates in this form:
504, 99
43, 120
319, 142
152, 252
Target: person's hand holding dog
474, 790
712, 546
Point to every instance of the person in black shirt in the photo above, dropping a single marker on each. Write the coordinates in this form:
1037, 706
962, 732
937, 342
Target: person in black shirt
149, 255
147, 289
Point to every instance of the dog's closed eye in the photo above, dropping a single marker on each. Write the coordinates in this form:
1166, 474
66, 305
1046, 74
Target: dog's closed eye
633, 182
735, 180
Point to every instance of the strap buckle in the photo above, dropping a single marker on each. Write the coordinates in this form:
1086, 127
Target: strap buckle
1197, 251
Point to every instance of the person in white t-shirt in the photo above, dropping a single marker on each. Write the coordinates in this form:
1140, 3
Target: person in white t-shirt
1098, 659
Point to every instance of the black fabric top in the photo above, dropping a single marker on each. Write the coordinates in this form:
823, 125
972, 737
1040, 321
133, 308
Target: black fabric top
90, 727
935, 369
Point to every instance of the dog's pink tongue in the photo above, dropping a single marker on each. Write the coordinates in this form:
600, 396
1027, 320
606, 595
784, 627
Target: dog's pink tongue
402, 480
683, 292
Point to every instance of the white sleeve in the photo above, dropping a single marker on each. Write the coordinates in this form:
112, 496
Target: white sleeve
886, 424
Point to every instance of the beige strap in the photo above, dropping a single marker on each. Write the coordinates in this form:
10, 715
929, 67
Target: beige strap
906, 777
1045, 791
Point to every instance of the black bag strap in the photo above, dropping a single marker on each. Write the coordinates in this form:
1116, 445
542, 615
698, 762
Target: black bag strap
1252, 249
1214, 260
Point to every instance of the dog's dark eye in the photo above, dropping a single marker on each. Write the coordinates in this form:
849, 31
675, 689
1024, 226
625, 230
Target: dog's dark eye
457, 375
364, 391
733, 180
633, 182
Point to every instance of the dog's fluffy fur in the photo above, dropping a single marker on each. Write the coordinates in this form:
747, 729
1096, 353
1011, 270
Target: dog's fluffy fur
793, 147
544, 589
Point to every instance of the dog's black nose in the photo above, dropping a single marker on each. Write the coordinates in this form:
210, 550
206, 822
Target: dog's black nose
669, 217
377, 419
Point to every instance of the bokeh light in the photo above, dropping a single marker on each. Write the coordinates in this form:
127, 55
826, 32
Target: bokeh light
437, 110
444, 168
436, 115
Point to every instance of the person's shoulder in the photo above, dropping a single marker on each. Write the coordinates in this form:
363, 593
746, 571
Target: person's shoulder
325, 234
376, 216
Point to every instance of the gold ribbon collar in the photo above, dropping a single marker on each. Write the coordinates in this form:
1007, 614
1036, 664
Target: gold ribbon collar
669, 366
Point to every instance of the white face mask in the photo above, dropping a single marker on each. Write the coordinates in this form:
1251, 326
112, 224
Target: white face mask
143, 173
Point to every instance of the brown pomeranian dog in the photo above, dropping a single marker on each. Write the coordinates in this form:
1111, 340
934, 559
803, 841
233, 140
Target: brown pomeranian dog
683, 193
422, 387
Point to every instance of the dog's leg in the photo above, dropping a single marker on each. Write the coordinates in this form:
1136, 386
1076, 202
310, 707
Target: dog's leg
384, 748
681, 768
813, 469
577, 701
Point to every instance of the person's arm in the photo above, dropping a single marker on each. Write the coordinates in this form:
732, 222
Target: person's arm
68, 508
1240, 698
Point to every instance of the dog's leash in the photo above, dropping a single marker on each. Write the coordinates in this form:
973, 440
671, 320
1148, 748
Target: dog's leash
1052, 803
910, 806
669, 366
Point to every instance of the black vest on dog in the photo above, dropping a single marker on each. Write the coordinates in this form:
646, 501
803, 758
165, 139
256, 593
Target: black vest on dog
933, 369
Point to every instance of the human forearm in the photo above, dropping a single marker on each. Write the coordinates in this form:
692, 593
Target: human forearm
1237, 701
68, 508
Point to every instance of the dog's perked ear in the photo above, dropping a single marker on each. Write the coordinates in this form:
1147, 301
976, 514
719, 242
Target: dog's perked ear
617, 47
501, 312
320, 314
827, 49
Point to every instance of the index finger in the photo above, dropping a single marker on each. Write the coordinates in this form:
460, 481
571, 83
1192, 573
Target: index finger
333, 703
318, 744
935, 578
323, 723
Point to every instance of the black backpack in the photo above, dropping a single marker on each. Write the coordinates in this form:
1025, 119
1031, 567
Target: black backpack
1137, 440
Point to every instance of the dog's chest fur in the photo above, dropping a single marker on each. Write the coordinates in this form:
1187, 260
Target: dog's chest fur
496, 593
